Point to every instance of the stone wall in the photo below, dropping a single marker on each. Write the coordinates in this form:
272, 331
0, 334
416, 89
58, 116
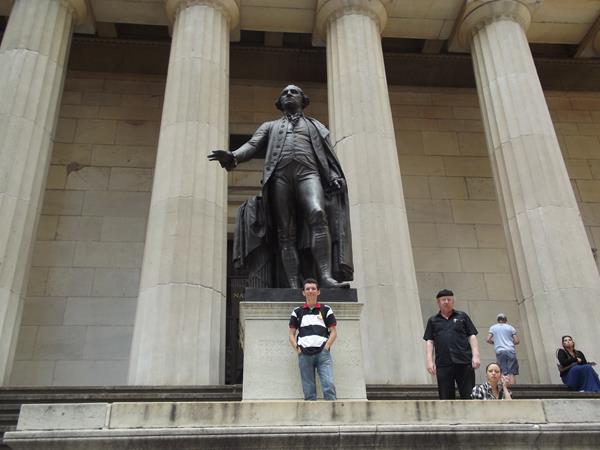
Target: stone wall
79, 313
457, 237
456, 232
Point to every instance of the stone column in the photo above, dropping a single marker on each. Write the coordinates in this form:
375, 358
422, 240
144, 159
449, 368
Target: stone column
556, 280
179, 335
33, 56
361, 124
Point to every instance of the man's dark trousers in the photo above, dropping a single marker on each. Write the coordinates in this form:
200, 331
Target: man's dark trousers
462, 374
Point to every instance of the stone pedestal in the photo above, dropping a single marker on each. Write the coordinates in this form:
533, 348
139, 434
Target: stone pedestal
270, 364
361, 125
33, 57
555, 276
179, 335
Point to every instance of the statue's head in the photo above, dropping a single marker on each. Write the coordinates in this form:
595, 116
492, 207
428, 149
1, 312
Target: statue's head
292, 98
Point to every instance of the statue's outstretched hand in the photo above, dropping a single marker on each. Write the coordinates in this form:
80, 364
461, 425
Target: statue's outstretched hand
225, 158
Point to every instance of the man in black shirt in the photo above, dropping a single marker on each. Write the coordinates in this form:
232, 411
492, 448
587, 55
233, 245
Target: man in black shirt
453, 336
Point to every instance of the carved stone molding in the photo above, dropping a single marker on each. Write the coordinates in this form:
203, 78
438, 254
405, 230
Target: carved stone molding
79, 9
329, 10
590, 45
229, 8
475, 14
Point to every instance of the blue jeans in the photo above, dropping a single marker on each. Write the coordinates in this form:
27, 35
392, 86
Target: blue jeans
323, 362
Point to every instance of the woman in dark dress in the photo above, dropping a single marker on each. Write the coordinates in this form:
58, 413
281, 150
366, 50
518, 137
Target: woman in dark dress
574, 369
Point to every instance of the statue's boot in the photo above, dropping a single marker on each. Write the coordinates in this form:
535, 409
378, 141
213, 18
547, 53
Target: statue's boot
291, 263
321, 250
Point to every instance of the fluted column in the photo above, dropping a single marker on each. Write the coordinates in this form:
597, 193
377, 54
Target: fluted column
33, 56
179, 335
361, 124
556, 280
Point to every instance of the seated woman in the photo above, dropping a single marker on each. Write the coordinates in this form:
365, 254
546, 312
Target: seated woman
574, 369
496, 386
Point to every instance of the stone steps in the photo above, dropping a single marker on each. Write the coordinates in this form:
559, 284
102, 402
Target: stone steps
11, 399
78, 394
572, 424
429, 392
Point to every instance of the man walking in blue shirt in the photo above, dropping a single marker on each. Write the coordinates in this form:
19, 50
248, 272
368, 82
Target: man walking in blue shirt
504, 337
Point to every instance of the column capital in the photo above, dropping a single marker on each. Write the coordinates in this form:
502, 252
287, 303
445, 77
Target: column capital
590, 45
79, 9
328, 10
229, 8
475, 14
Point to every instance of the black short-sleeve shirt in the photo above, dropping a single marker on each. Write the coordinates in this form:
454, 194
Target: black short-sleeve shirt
451, 338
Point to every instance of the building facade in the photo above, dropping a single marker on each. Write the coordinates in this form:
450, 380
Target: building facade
469, 132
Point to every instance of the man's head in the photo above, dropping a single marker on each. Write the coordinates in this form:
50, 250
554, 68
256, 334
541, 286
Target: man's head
501, 318
445, 301
292, 99
310, 291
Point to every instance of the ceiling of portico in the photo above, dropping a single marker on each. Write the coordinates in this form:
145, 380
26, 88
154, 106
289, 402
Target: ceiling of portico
555, 21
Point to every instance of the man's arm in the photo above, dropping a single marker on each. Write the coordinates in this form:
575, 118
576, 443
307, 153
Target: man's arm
292, 339
429, 355
475, 350
330, 323
516, 339
332, 337
490, 338
257, 142
506, 395
229, 160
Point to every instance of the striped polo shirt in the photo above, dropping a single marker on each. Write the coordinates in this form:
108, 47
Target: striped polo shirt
312, 325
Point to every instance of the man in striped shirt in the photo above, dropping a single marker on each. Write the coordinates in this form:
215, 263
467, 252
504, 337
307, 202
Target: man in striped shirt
316, 328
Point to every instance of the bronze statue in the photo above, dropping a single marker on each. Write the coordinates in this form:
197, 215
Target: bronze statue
302, 217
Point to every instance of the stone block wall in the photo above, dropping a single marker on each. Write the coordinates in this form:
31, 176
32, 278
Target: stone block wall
80, 306
79, 313
455, 225
457, 236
